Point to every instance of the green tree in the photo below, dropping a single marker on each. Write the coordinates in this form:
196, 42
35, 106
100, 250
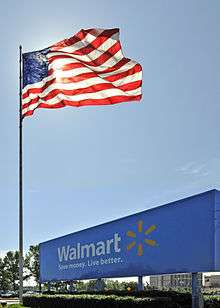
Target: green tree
113, 285
32, 264
11, 268
4, 281
80, 285
95, 285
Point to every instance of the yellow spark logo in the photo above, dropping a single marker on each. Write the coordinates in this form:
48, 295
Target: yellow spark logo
147, 241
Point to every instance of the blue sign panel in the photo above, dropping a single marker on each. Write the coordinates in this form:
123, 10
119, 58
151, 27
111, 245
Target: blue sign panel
182, 236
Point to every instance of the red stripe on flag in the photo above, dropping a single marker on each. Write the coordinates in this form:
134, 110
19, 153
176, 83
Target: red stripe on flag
97, 62
133, 70
70, 41
88, 102
103, 37
91, 89
71, 66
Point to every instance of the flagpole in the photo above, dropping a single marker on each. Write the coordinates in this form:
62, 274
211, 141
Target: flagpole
20, 181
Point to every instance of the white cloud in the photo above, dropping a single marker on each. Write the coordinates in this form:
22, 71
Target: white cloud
194, 168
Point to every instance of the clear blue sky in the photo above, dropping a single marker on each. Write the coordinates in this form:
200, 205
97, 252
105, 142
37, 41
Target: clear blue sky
86, 166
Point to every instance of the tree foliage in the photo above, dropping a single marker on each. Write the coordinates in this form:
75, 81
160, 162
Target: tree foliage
4, 281
10, 270
32, 263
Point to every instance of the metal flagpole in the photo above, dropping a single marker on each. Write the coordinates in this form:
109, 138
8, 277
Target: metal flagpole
20, 181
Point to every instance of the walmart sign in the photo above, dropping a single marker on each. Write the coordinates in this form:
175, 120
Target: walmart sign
183, 236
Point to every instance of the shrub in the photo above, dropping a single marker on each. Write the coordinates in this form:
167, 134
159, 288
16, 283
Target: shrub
212, 302
98, 301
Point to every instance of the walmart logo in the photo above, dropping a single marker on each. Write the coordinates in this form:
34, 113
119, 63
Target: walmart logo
146, 240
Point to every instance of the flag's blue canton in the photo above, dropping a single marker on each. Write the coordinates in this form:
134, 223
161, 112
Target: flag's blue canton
35, 66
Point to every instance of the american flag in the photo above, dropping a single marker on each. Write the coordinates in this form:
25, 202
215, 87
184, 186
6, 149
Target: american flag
86, 69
